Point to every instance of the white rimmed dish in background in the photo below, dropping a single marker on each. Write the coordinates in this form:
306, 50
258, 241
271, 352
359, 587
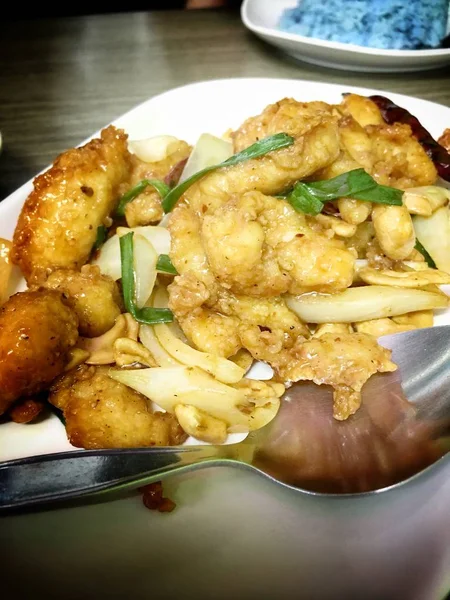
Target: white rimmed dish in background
262, 16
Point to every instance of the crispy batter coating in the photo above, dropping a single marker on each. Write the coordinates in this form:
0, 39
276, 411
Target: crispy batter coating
390, 153
26, 410
188, 254
316, 145
343, 360
210, 331
444, 140
103, 413
37, 330
146, 208
58, 223
94, 297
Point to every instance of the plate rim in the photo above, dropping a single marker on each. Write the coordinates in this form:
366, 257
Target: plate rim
352, 49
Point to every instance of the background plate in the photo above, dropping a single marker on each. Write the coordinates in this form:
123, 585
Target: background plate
262, 16
233, 533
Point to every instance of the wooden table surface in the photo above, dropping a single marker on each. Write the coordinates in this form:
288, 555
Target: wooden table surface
62, 79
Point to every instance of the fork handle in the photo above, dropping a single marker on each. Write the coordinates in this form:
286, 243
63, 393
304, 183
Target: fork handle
47, 479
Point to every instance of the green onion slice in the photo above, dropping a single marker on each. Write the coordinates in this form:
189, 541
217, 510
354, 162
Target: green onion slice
146, 315
430, 262
164, 265
310, 197
101, 237
260, 148
161, 187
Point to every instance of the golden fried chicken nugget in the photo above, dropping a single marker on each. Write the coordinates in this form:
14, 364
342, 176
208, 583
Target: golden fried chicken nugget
58, 223
103, 413
444, 140
37, 330
94, 297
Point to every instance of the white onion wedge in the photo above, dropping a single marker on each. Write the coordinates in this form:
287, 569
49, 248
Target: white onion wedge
145, 259
150, 341
159, 237
155, 148
192, 386
108, 258
167, 335
434, 235
208, 151
363, 304
221, 368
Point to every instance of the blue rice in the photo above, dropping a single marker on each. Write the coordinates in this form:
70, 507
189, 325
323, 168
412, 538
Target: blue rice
387, 24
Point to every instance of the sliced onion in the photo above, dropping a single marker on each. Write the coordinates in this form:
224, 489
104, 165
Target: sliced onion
434, 235
159, 237
223, 369
363, 304
191, 385
108, 258
208, 151
155, 148
145, 259
150, 341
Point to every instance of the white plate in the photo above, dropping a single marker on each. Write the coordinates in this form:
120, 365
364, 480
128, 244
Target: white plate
262, 16
233, 533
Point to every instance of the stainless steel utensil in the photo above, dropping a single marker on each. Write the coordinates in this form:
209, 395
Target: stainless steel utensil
389, 441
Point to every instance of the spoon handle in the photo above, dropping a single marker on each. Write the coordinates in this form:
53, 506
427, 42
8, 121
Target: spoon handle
38, 480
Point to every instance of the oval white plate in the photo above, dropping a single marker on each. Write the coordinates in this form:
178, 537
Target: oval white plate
262, 16
233, 534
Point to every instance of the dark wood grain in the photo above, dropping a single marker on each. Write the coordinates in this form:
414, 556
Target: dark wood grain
62, 79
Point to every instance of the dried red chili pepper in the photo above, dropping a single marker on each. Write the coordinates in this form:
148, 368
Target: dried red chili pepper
396, 114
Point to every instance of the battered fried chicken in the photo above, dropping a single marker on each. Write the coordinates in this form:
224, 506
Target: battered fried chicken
103, 413
27, 410
37, 330
146, 208
58, 223
343, 360
444, 140
316, 145
94, 297
390, 153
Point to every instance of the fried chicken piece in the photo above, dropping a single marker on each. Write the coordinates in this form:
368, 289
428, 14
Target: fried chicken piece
258, 245
444, 140
396, 158
344, 361
189, 258
399, 159
94, 297
37, 330
316, 145
26, 411
58, 223
212, 332
103, 413
270, 315
146, 208
362, 109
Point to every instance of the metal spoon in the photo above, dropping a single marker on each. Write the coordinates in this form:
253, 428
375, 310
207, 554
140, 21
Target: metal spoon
389, 440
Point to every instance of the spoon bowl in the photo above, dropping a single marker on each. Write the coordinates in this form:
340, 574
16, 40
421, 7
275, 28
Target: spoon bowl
397, 433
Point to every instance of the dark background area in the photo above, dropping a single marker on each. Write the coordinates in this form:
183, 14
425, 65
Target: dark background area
43, 10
